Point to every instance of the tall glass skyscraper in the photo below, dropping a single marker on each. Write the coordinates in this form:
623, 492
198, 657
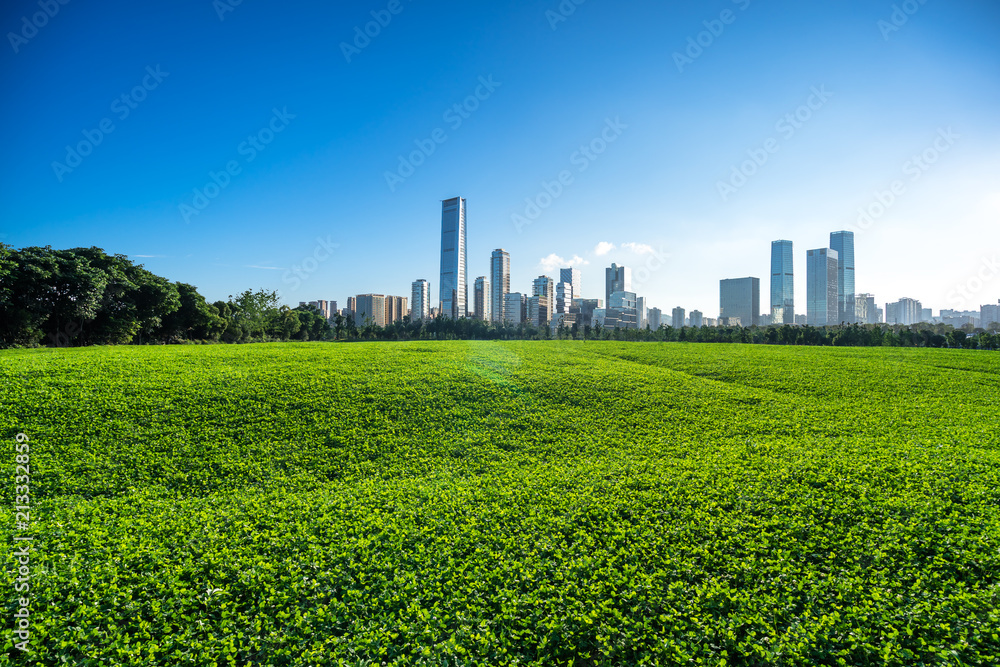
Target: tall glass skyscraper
821, 287
616, 279
499, 283
481, 298
782, 283
454, 282
843, 243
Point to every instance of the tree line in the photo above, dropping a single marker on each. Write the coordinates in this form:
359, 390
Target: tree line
83, 296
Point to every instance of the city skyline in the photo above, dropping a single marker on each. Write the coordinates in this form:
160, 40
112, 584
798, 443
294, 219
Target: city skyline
228, 168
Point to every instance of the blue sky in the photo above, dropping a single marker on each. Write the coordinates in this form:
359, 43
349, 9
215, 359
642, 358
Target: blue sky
204, 80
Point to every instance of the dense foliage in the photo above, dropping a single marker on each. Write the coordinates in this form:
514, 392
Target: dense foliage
83, 296
458, 503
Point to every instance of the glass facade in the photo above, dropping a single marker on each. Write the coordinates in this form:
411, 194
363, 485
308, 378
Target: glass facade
843, 243
822, 304
782, 283
454, 284
740, 297
499, 282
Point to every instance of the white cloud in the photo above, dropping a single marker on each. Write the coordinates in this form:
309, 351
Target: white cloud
639, 248
554, 261
603, 248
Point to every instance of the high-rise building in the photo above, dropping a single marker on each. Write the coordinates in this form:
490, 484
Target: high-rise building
370, 308
395, 308
640, 312
574, 278
677, 318
989, 314
538, 310
697, 318
583, 310
421, 299
616, 279
499, 282
865, 310
905, 311
514, 308
326, 308
564, 298
453, 284
926, 315
481, 298
843, 243
740, 297
621, 311
822, 304
782, 283
654, 318
544, 287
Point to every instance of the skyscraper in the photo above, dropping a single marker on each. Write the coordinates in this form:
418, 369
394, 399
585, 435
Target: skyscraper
677, 318
782, 283
370, 308
544, 287
740, 297
616, 279
481, 298
514, 308
697, 318
620, 312
641, 310
822, 304
499, 282
395, 308
454, 285
988, 314
564, 297
843, 243
573, 277
654, 318
420, 298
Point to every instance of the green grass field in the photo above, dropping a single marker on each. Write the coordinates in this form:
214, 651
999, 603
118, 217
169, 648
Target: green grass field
506, 503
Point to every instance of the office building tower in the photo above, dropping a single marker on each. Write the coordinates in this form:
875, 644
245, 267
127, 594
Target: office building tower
697, 318
654, 318
514, 308
599, 318
574, 278
740, 298
905, 311
564, 298
481, 298
782, 283
865, 310
677, 318
325, 308
989, 314
843, 243
453, 284
620, 312
370, 309
641, 311
421, 299
822, 304
616, 279
926, 315
395, 308
583, 310
544, 287
499, 282
538, 311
